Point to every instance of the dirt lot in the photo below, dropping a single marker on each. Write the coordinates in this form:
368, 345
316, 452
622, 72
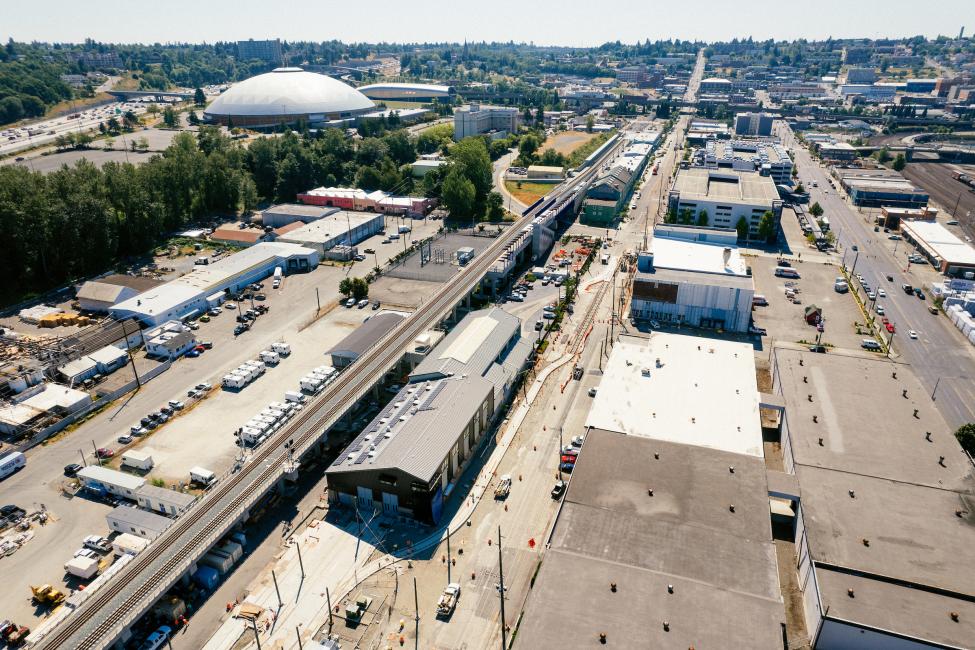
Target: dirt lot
935, 178
566, 142
784, 319
528, 192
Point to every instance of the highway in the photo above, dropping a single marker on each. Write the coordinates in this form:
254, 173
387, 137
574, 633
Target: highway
104, 617
940, 356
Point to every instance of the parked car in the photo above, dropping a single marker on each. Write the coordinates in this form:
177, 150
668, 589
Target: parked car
818, 348
260, 297
240, 329
229, 305
124, 439
193, 326
558, 489
912, 334
882, 293
214, 312
104, 452
350, 303
205, 386
72, 470
363, 303
577, 441
192, 354
204, 319
375, 305
369, 251
207, 345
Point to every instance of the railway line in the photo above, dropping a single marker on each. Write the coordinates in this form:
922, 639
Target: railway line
103, 618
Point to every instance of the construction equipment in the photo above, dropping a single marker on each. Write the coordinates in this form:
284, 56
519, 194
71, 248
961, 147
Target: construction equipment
14, 635
448, 600
47, 595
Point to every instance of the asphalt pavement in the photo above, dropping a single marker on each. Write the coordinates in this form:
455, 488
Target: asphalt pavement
942, 360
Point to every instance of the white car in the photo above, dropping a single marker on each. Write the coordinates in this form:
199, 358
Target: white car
882, 293
912, 334
880, 310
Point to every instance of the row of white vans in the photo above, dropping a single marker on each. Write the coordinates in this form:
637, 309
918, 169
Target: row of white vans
316, 381
248, 371
256, 430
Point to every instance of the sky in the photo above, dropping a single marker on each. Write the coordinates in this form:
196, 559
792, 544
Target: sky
544, 22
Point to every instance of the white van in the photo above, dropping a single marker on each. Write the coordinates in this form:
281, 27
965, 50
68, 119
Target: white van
11, 463
293, 396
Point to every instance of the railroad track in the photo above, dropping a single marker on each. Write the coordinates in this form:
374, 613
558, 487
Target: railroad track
94, 625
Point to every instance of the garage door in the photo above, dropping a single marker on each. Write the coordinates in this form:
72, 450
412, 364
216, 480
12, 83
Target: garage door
390, 504
365, 498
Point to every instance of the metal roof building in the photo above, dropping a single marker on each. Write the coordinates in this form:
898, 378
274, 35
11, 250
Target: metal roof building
884, 519
658, 545
363, 338
103, 479
135, 521
947, 252
407, 460
406, 92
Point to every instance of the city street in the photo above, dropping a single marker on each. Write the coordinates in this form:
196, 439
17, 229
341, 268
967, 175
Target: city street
940, 356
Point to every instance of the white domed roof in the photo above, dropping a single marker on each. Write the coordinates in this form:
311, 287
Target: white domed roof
289, 91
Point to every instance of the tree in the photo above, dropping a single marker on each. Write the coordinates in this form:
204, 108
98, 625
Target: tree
360, 288
590, 123
199, 98
458, 194
816, 210
170, 117
527, 149
345, 287
742, 228
900, 162
766, 227
687, 216
702, 218
193, 118
883, 155
966, 437
470, 156
495, 207
800, 189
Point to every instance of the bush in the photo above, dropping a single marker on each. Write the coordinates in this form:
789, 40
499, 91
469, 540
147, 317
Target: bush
966, 437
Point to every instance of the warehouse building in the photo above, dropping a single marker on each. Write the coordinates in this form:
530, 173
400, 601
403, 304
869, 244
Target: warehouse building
726, 197
878, 188
204, 287
693, 276
495, 121
615, 184
658, 545
163, 501
883, 516
135, 521
940, 246
341, 227
363, 339
38, 402
101, 294
836, 151
362, 201
109, 481
408, 460
288, 213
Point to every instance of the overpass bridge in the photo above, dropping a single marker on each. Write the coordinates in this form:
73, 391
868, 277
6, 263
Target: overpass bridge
104, 616
158, 95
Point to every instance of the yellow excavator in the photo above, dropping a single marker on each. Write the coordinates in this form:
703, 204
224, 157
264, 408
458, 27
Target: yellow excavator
47, 595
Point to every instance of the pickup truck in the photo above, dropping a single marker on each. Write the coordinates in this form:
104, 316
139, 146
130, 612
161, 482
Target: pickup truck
448, 600
504, 487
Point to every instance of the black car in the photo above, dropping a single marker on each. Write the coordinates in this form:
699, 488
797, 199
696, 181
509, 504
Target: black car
558, 489
821, 349
240, 329
72, 470
919, 293
785, 263
12, 513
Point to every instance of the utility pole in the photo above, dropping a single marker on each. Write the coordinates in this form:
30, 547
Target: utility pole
84, 463
416, 608
257, 637
328, 599
318, 299
448, 554
135, 371
97, 457
504, 631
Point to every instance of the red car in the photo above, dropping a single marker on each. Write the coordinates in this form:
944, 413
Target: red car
890, 327
103, 452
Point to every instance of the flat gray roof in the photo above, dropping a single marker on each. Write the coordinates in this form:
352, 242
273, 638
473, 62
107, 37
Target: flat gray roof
140, 517
367, 335
700, 277
300, 209
722, 563
165, 494
872, 430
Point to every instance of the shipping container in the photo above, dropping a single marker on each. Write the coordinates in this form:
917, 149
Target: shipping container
207, 577
137, 460
219, 561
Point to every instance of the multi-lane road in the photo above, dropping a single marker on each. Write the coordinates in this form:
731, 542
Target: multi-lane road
941, 358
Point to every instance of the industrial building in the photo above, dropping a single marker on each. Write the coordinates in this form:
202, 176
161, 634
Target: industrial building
341, 227
362, 201
664, 536
878, 188
288, 213
614, 186
163, 500
836, 151
883, 518
763, 156
940, 246
408, 92
408, 460
135, 521
693, 276
726, 196
204, 287
658, 545
495, 121
44, 400
363, 338
101, 294
169, 340
700, 131
286, 96
753, 124
109, 481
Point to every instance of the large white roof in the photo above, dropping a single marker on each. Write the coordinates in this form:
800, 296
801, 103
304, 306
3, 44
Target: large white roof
289, 91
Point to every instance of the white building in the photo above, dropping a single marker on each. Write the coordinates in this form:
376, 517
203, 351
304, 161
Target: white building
287, 213
203, 287
39, 401
693, 276
475, 119
169, 340
762, 156
343, 227
163, 501
135, 521
682, 389
726, 196
103, 479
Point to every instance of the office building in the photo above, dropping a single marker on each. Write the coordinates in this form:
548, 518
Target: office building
700, 131
836, 151
725, 197
762, 156
269, 51
109, 481
204, 286
475, 119
693, 276
632, 74
878, 188
754, 124
408, 460
163, 500
882, 500
714, 86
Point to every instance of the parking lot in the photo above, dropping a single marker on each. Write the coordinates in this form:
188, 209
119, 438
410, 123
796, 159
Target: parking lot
784, 319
